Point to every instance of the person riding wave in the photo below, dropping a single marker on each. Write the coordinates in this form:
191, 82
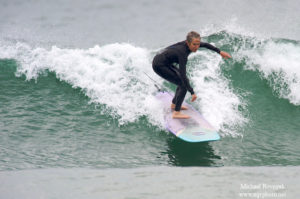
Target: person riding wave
163, 65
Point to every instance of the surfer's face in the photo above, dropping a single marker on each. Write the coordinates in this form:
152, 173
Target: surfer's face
194, 44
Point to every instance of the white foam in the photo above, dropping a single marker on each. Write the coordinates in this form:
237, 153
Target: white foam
217, 102
113, 76
279, 63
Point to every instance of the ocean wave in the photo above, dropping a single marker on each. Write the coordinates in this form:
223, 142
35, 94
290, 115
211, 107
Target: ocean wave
277, 61
113, 75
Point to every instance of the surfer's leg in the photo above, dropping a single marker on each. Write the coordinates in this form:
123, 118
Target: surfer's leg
177, 114
167, 73
178, 97
170, 74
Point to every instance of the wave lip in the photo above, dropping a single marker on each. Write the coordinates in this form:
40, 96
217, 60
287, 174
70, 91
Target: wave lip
114, 77
278, 61
111, 75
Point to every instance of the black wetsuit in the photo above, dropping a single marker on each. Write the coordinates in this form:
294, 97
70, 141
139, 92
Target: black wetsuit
163, 65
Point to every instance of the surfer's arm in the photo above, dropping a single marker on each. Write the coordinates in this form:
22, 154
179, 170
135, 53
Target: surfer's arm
210, 47
213, 48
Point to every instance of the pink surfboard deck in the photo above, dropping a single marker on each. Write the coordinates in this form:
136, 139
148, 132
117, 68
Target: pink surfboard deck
194, 129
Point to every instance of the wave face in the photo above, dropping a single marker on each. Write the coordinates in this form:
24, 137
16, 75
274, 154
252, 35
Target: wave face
115, 76
254, 97
278, 62
110, 75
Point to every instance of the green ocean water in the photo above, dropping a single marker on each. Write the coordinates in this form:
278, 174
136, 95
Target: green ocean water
48, 121
79, 117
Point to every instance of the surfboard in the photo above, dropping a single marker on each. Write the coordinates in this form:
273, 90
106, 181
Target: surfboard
194, 129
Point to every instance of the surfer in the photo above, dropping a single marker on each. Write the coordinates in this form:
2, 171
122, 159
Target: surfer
163, 65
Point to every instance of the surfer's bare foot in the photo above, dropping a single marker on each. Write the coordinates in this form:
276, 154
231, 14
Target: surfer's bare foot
182, 107
178, 115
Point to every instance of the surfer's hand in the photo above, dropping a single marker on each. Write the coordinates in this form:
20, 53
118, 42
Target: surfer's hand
225, 55
194, 97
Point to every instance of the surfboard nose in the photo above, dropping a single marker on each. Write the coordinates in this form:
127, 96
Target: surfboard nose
198, 134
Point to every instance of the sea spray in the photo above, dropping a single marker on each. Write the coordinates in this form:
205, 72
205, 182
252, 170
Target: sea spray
277, 61
114, 76
110, 75
217, 100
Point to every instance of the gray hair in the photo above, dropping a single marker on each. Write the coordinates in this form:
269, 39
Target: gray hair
192, 35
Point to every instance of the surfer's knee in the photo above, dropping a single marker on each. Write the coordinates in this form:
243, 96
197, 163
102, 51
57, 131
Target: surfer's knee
183, 89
